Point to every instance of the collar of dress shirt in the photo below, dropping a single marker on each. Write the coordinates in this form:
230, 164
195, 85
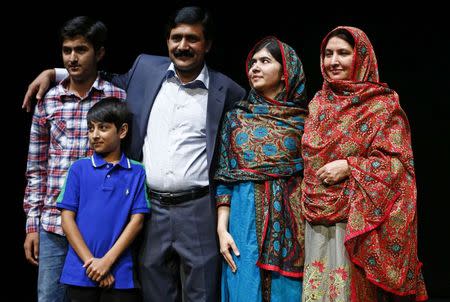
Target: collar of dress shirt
201, 81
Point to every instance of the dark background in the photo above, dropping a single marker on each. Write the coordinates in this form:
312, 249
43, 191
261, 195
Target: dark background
412, 47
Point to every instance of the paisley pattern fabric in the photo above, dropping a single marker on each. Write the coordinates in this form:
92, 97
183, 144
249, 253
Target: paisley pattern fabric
361, 120
260, 142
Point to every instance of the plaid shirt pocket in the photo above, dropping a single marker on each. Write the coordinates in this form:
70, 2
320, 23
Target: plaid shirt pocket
58, 134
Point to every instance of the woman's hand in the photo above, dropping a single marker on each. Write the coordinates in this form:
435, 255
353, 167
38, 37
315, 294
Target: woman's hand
227, 242
334, 172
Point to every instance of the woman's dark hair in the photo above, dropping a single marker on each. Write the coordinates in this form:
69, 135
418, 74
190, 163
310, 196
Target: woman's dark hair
192, 15
92, 30
343, 34
273, 48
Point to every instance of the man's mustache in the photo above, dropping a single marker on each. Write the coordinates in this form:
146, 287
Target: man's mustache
183, 53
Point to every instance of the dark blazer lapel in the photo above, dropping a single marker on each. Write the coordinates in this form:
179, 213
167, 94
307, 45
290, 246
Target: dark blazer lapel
216, 102
147, 82
153, 84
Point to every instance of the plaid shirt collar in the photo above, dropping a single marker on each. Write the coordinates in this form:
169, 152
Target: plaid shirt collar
63, 87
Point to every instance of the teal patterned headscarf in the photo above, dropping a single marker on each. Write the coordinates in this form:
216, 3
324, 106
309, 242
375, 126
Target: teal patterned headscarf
294, 93
261, 136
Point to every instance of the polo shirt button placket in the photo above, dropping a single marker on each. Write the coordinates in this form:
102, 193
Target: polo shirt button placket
108, 175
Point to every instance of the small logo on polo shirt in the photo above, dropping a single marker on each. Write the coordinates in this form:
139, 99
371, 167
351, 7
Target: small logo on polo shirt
127, 192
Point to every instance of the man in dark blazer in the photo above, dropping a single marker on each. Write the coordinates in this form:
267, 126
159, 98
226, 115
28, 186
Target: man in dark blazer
177, 105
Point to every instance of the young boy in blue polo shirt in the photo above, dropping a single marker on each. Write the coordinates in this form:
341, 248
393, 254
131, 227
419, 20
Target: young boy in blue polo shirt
103, 204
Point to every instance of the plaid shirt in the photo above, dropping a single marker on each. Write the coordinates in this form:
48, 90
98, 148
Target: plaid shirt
58, 137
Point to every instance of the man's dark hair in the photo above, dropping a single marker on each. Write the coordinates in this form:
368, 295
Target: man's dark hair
192, 15
92, 30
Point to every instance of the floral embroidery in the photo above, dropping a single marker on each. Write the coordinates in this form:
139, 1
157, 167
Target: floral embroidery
333, 288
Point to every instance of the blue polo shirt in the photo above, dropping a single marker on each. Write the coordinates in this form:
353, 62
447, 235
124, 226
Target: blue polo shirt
104, 196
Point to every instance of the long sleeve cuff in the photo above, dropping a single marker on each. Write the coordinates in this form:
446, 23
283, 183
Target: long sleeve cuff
223, 196
32, 225
223, 200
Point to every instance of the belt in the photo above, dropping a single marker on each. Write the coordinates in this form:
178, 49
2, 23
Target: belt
172, 198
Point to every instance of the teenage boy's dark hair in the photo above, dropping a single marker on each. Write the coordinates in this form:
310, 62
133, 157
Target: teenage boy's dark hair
192, 15
111, 110
92, 30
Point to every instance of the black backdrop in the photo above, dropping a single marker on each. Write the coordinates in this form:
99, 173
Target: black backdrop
413, 55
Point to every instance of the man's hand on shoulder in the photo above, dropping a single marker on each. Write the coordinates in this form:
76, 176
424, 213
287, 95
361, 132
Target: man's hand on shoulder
38, 87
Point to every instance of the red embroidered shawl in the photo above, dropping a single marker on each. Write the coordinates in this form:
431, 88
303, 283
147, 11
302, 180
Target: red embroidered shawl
361, 120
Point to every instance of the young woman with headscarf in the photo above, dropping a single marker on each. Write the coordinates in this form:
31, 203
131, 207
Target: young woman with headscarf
259, 174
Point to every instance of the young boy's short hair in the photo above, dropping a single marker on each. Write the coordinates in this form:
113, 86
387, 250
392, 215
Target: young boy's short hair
111, 110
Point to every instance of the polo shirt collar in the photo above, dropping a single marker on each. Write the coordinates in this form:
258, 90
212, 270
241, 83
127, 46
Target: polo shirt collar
98, 161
